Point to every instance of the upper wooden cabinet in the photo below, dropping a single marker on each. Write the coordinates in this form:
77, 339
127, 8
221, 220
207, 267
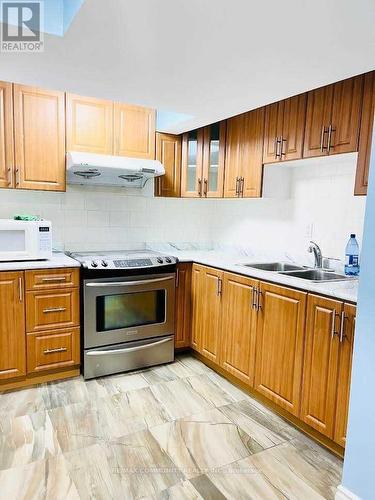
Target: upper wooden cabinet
89, 124
284, 129
168, 152
238, 327
365, 134
203, 155
243, 160
332, 118
6, 136
39, 135
280, 344
183, 305
12, 325
134, 131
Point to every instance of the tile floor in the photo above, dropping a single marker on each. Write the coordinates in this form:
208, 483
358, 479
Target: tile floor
178, 431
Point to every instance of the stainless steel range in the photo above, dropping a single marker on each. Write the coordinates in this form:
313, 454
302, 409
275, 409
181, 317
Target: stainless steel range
127, 309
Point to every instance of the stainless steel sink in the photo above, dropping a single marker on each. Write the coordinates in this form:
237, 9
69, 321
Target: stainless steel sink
317, 275
274, 266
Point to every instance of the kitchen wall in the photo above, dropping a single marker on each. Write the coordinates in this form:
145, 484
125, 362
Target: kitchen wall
313, 199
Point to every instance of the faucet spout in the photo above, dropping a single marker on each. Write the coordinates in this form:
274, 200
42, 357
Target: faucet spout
315, 249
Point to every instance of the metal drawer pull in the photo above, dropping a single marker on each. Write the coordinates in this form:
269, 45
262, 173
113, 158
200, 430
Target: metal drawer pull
20, 289
54, 309
57, 278
58, 349
127, 349
129, 283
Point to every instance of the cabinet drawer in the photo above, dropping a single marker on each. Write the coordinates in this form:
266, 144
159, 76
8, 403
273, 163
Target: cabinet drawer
44, 279
51, 350
52, 309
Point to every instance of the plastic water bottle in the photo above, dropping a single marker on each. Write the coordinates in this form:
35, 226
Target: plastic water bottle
352, 257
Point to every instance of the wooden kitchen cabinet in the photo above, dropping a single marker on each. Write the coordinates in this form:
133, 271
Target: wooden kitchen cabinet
192, 164
365, 134
12, 325
39, 138
6, 136
238, 327
213, 160
197, 305
134, 131
333, 117
183, 306
284, 129
280, 345
321, 363
244, 151
89, 124
344, 372
168, 152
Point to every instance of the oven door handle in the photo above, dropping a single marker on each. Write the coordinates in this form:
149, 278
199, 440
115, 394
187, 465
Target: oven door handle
129, 283
128, 349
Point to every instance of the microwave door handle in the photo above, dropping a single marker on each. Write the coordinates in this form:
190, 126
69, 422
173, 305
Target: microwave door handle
128, 349
128, 283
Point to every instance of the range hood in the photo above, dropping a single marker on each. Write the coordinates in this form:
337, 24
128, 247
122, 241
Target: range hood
106, 170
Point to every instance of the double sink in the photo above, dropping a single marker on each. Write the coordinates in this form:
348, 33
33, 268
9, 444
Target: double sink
313, 275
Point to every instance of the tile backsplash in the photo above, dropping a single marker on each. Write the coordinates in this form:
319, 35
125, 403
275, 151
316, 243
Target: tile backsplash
319, 205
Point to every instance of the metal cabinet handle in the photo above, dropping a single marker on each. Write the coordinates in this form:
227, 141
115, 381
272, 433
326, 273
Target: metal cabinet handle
199, 187
128, 283
58, 349
219, 287
323, 133
282, 142
333, 326
128, 349
254, 298
205, 187
277, 143
237, 186
259, 294
54, 309
242, 183
17, 176
177, 278
342, 326
20, 289
9, 176
330, 131
56, 278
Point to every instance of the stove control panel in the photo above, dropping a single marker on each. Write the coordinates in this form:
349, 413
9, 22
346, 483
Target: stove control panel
138, 263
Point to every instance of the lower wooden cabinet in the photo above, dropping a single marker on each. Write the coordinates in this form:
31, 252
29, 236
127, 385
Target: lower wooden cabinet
183, 306
238, 327
279, 347
12, 325
53, 350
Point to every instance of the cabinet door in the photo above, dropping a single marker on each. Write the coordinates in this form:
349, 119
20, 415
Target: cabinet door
251, 154
293, 127
213, 160
6, 136
134, 131
318, 118
211, 313
197, 304
321, 363
168, 152
365, 135
238, 329
273, 130
346, 113
12, 325
183, 306
233, 156
344, 373
39, 135
192, 164
89, 124
279, 345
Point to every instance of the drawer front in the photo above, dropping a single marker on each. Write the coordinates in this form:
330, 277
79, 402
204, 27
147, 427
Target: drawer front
52, 309
53, 350
44, 279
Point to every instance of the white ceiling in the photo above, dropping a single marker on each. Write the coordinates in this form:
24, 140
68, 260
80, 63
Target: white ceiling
207, 58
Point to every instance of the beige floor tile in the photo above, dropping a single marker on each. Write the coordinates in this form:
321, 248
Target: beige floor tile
65, 392
193, 364
231, 389
212, 393
26, 439
22, 402
181, 491
200, 442
43, 480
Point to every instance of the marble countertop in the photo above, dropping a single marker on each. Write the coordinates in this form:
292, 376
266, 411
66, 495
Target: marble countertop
58, 259
343, 290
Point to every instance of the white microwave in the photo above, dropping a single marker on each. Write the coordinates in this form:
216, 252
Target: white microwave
25, 240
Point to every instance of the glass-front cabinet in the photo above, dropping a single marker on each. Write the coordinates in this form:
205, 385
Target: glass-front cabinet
203, 153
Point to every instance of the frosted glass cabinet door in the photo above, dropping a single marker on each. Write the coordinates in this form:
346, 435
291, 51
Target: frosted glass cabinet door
192, 165
213, 160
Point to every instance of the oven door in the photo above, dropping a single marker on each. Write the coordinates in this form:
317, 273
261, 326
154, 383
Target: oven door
119, 310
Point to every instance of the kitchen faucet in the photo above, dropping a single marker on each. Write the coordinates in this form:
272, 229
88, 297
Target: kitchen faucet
314, 248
